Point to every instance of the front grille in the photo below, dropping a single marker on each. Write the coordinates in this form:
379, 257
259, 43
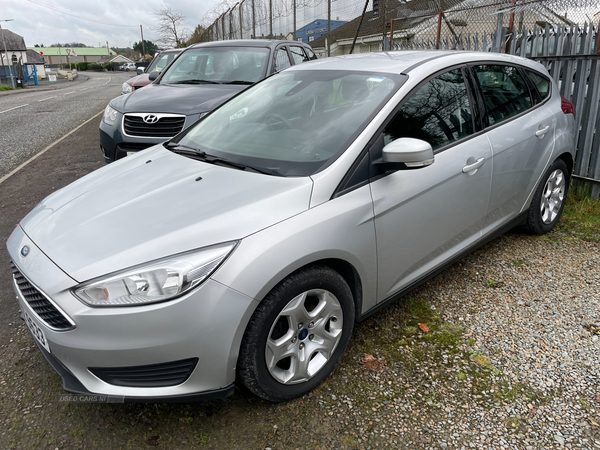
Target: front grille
165, 127
155, 375
39, 303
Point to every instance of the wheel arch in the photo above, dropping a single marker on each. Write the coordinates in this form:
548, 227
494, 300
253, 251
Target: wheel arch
568, 159
345, 269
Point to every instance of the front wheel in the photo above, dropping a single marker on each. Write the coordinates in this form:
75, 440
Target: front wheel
549, 199
297, 335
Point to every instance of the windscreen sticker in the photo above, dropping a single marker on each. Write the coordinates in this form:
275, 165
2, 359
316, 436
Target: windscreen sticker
376, 79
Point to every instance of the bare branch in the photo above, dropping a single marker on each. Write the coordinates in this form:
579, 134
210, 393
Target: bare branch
171, 27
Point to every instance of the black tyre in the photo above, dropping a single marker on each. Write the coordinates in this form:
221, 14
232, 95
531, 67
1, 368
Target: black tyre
297, 335
549, 199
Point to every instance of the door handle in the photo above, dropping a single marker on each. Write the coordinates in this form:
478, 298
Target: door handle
542, 131
471, 167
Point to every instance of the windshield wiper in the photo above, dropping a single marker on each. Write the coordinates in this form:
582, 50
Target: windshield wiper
239, 82
184, 149
195, 82
218, 160
201, 155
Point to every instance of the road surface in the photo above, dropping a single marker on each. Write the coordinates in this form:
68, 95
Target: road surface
30, 121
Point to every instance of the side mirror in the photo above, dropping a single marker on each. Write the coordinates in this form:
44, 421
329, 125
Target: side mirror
409, 151
153, 75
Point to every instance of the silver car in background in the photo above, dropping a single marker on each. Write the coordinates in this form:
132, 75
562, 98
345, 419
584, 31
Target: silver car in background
247, 247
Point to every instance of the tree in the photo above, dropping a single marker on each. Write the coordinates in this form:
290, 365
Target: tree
171, 27
148, 45
197, 35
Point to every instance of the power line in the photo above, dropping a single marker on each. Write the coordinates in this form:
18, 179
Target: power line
53, 8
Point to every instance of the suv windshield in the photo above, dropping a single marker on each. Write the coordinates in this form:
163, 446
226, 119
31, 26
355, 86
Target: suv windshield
294, 123
218, 65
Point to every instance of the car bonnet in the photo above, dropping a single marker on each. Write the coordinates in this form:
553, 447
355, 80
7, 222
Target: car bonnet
156, 204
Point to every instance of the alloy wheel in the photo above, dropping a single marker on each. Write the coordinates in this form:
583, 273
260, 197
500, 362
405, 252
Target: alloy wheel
304, 336
553, 196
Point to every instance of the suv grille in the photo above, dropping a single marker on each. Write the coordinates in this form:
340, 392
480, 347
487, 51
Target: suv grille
155, 375
39, 303
165, 127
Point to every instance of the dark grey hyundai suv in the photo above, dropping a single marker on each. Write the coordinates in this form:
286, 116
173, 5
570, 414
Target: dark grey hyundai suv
202, 78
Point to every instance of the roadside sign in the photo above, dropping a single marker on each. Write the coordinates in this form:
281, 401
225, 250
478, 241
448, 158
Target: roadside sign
51, 77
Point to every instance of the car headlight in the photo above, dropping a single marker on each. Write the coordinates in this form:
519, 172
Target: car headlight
157, 281
110, 115
126, 88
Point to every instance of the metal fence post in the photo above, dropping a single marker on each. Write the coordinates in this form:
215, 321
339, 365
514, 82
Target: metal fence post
241, 22
294, 6
271, 19
253, 21
328, 27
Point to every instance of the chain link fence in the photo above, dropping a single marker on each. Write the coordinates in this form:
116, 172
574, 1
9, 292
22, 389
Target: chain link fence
331, 26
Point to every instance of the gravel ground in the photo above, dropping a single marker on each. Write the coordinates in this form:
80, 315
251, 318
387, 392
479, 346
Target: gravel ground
499, 351
39, 118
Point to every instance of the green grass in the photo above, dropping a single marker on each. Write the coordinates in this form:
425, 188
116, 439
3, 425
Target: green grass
5, 87
581, 218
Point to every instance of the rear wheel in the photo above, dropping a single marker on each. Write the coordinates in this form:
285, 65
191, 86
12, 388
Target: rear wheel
297, 334
549, 199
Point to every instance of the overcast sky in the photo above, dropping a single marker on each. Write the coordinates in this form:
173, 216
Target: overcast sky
41, 25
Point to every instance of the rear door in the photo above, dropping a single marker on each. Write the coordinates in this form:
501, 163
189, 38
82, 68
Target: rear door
424, 217
521, 132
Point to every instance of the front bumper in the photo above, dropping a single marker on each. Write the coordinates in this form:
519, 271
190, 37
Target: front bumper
207, 324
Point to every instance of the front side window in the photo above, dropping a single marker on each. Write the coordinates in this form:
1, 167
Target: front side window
438, 112
504, 91
282, 60
294, 123
219, 65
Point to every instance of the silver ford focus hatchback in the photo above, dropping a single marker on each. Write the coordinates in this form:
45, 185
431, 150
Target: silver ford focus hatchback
246, 248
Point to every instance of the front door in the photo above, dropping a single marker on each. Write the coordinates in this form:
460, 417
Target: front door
425, 216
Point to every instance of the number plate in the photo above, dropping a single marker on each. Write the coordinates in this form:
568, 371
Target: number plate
36, 330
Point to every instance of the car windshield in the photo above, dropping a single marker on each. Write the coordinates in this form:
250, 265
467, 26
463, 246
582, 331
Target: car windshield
294, 123
161, 61
218, 65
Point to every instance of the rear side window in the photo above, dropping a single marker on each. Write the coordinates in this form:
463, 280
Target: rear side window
541, 83
298, 54
310, 53
504, 91
438, 112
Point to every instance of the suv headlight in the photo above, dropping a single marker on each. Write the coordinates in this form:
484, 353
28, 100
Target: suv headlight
110, 115
157, 281
126, 88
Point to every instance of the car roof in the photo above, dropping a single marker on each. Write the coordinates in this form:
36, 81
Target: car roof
405, 61
265, 43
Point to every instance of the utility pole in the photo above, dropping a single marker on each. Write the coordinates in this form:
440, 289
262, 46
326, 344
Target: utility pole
12, 78
143, 46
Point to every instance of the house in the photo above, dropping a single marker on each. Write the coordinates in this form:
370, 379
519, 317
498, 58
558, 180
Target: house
119, 59
37, 60
417, 19
17, 55
315, 29
16, 51
58, 55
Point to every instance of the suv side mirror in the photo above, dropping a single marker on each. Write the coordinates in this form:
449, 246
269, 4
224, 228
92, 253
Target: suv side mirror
409, 151
153, 75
